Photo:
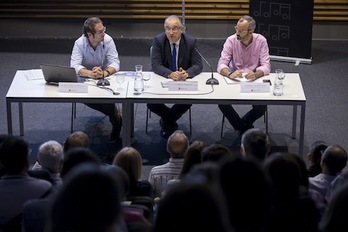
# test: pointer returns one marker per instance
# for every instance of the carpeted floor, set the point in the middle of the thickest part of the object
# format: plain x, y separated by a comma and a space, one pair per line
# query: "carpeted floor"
324, 81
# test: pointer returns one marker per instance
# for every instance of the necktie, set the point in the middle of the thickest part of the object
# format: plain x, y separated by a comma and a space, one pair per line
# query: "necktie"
174, 57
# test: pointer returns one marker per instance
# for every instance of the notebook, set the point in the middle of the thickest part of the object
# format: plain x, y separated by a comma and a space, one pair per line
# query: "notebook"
57, 73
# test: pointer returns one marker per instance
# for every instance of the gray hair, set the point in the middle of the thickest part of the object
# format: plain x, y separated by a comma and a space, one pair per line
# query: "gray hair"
50, 156
252, 22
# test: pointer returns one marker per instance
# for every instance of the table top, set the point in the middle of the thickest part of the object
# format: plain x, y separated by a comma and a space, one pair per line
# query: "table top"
22, 88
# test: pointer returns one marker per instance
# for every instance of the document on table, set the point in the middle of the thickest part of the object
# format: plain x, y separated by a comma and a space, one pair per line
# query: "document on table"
33, 74
238, 80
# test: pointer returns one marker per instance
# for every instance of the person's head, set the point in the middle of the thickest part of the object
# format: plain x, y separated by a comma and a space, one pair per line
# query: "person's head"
121, 177
285, 174
255, 144
249, 198
94, 29
192, 206
245, 28
192, 157
14, 153
215, 152
177, 144
333, 160
50, 156
88, 201
129, 159
77, 156
173, 28
76, 139
315, 152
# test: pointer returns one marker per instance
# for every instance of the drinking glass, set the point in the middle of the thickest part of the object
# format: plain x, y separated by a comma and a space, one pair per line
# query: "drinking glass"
120, 80
138, 68
146, 78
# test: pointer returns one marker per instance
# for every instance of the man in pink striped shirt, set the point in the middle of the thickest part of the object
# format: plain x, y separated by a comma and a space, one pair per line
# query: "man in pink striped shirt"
244, 53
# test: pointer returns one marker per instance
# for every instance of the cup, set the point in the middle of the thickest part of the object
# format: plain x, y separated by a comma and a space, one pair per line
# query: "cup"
138, 68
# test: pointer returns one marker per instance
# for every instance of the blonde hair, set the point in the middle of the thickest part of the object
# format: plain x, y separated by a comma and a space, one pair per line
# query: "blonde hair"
129, 159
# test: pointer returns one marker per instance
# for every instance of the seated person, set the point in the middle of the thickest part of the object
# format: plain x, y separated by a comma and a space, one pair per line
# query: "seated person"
186, 64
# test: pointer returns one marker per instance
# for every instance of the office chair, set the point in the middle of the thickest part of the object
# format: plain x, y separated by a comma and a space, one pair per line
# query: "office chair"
265, 120
148, 112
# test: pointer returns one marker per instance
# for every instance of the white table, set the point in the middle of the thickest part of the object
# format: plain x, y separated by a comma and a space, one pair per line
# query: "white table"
22, 90
223, 93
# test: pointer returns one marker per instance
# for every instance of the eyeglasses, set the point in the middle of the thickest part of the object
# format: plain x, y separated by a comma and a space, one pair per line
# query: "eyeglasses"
102, 31
239, 31
174, 29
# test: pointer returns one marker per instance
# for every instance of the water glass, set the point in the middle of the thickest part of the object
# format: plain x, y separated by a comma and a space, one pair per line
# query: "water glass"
138, 68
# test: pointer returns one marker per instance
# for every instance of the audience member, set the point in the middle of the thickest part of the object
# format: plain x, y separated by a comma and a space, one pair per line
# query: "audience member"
50, 158
192, 157
95, 55
244, 53
159, 176
88, 201
314, 157
255, 144
129, 159
293, 211
333, 160
339, 180
248, 194
335, 216
36, 212
76, 156
16, 186
186, 64
215, 152
134, 216
191, 206
76, 139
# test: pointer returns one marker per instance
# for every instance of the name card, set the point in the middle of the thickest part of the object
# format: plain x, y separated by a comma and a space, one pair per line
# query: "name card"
183, 86
255, 87
70, 87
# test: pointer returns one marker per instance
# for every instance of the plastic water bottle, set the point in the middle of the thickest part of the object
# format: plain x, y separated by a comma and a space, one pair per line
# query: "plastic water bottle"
278, 82
139, 83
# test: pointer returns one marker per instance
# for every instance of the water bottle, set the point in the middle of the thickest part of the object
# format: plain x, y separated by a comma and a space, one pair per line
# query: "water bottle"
278, 83
138, 83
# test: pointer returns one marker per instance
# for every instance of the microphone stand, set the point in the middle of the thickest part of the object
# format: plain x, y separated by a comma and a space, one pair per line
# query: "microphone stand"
103, 81
212, 80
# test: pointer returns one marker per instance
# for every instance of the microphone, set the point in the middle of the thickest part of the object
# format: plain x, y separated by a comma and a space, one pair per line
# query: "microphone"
212, 80
103, 81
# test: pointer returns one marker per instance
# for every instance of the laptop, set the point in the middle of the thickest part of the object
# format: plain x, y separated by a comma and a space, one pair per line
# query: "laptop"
54, 74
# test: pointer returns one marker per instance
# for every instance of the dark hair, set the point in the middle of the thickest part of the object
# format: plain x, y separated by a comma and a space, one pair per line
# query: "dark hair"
317, 149
77, 156
14, 153
215, 152
88, 26
88, 201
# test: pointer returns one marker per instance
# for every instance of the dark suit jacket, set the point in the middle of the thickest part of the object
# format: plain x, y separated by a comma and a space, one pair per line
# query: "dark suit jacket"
188, 59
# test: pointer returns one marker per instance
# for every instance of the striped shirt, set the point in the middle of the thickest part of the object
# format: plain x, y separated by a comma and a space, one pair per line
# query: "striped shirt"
160, 175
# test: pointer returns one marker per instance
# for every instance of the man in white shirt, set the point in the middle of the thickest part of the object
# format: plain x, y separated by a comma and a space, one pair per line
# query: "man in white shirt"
177, 145
95, 55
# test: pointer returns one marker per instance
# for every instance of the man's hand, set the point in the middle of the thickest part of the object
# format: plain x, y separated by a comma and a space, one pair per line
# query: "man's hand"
97, 72
180, 75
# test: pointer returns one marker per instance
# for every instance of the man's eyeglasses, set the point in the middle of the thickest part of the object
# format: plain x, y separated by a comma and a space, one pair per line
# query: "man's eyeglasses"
174, 29
239, 31
102, 31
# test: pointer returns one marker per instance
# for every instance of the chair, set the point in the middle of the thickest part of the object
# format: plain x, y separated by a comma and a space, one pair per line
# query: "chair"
265, 120
148, 112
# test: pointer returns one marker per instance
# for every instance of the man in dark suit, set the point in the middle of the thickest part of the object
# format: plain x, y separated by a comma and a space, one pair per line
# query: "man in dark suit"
174, 56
